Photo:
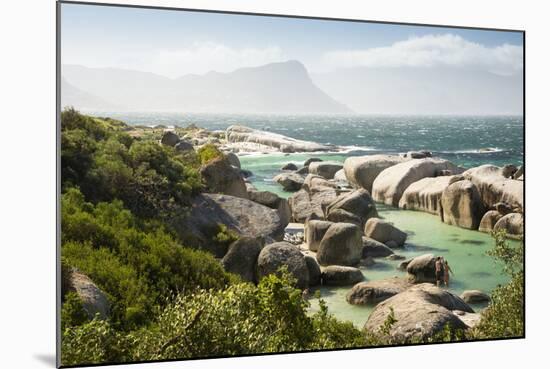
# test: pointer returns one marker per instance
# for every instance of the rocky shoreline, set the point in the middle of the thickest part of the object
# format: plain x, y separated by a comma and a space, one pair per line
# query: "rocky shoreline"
335, 225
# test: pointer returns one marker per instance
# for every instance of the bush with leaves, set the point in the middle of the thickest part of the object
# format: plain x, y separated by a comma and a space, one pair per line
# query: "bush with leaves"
136, 262
242, 319
505, 315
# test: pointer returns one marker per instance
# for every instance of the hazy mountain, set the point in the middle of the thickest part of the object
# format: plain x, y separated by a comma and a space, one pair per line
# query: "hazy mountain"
272, 88
442, 90
72, 96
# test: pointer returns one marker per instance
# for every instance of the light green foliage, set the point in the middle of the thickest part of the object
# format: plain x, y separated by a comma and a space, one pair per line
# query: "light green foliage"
135, 261
242, 319
505, 315
72, 311
209, 152
97, 155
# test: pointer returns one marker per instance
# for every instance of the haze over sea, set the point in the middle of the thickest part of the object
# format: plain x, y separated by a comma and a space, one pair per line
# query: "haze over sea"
465, 140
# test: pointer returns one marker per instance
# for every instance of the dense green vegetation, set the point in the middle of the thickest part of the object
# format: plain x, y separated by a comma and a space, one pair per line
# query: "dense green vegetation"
505, 316
120, 196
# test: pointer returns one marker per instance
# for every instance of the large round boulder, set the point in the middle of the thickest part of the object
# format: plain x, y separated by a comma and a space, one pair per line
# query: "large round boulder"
375, 249
272, 201
341, 245
94, 301
361, 171
314, 232
384, 232
314, 270
373, 292
425, 194
233, 159
242, 256
489, 220
461, 205
359, 203
283, 254
421, 269
512, 224
184, 146
289, 166
475, 297
420, 312
289, 181
220, 177
242, 216
169, 138
339, 275
391, 183
326, 169
494, 187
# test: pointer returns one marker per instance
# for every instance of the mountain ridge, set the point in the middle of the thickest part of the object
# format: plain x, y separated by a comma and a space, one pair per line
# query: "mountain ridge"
284, 87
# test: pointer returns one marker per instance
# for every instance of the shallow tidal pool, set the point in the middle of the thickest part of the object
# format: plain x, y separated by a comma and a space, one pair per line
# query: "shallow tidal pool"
465, 250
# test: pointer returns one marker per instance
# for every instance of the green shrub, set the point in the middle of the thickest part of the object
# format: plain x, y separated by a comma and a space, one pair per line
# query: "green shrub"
72, 311
505, 315
209, 152
94, 342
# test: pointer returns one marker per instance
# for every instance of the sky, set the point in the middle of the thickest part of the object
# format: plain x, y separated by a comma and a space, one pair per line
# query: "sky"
176, 43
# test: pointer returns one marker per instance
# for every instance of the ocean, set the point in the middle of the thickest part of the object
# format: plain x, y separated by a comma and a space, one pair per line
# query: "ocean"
465, 140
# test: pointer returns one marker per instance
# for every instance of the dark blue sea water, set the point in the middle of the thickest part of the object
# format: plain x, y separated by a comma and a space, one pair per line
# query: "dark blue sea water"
465, 140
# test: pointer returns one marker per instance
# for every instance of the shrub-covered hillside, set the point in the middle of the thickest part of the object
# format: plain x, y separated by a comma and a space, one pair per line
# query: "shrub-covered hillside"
163, 299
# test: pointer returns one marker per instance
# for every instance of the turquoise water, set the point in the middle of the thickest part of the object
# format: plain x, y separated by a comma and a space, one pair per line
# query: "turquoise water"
463, 249
456, 138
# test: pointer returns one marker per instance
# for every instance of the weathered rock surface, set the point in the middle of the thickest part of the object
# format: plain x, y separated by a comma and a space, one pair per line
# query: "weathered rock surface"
289, 181
418, 154
233, 159
338, 275
325, 169
421, 311
220, 177
489, 220
340, 175
375, 249
289, 166
462, 206
358, 202
184, 146
310, 203
511, 223
94, 300
311, 160
494, 187
314, 232
373, 292
421, 269
243, 216
242, 256
169, 138
282, 143
361, 171
425, 194
341, 245
475, 297
272, 201
314, 270
384, 232
274, 256
343, 216
391, 183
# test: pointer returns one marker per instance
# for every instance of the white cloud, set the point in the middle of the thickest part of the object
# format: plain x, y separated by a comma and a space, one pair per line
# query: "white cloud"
431, 51
205, 57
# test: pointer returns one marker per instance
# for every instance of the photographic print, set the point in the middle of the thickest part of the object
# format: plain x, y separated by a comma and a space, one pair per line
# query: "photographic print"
235, 184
